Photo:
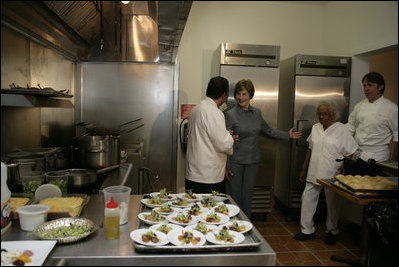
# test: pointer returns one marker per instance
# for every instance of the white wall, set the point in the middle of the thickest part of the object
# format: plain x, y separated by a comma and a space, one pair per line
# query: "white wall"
344, 28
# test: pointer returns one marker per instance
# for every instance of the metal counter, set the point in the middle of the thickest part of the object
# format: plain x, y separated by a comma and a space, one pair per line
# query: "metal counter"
96, 250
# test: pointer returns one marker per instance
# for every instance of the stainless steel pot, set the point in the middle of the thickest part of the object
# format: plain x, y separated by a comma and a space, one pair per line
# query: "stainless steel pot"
20, 163
97, 152
49, 154
79, 178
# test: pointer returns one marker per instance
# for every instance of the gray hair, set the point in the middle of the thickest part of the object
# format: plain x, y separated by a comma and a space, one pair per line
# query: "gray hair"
328, 104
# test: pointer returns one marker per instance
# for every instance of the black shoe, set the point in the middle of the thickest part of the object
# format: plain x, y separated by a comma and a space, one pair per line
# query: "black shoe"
303, 237
330, 238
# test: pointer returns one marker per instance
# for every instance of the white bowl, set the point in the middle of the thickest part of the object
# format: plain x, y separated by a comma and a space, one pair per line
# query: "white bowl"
31, 216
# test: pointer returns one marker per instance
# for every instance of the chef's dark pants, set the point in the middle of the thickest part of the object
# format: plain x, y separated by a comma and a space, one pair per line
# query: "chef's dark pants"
201, 188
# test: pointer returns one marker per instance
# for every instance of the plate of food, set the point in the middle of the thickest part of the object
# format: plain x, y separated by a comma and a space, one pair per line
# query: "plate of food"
240, 226
185, 238
225, 237
216, 196
149, 237
202, 227
182, 218
152, 202
209, 203
152, 217
196, 210
189, 196
65, 230
165, 227
227, 209
180, 203
28, 252
166, 209
163, 195
212, 217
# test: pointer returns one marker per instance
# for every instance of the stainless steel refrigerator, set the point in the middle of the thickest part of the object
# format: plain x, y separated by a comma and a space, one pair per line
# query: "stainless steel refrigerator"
305, 81
260, 64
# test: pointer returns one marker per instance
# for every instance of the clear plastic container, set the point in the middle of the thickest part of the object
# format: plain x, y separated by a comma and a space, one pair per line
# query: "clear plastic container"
60, 179
31, 181
121, 195
31, 216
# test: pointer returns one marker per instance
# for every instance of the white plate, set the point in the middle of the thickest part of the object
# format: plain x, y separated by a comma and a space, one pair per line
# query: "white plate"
145, 202
174, 226
173, 237
202, 210
248, 225
168, 213
238, 238
192, 221
233, 210
137, 234
217, 203
181, 196
40, 249
141, 217
223, 218
170, 196
189, 204
219, 198
209, 227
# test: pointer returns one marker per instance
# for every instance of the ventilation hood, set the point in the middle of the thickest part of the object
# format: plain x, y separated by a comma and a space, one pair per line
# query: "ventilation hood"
140, 31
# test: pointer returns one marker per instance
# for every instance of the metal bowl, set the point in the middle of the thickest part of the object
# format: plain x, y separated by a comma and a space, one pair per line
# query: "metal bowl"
44, 228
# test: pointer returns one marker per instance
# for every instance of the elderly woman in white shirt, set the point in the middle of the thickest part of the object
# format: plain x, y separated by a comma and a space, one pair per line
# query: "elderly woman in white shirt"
374, 122
328, 141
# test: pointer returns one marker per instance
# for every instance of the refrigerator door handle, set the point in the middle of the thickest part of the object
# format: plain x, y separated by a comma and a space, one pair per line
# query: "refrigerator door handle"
297, 128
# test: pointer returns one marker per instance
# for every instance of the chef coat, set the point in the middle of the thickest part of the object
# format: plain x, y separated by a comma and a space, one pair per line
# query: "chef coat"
374, 126
335, 142
208, 145
248, 124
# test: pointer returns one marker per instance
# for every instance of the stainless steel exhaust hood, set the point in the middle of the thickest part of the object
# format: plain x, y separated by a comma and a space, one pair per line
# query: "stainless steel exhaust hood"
141, 31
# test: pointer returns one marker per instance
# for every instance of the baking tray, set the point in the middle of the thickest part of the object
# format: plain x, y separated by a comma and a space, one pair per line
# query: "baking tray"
378, 191
78, 210
360, 194
251, 242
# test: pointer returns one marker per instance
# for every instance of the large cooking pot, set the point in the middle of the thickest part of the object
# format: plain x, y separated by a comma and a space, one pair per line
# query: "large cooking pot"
49, 155
79, 178
97, 152
20, 163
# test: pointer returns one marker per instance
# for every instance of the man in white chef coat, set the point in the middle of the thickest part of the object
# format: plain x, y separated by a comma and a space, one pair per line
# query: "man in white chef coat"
328, 141
374, 122
209, 142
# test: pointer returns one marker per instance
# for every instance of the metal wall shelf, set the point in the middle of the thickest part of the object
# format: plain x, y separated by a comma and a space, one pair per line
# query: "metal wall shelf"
9, 99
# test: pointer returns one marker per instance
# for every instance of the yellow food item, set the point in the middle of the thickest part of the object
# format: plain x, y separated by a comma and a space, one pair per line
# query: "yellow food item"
16, 202
367, 182
24, 258
71, 205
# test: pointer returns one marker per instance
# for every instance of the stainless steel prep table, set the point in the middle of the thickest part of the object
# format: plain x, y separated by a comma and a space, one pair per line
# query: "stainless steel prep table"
96, 250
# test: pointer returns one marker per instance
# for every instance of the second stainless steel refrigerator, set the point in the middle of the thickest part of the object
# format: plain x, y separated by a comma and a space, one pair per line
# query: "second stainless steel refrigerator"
260, 64
306, 81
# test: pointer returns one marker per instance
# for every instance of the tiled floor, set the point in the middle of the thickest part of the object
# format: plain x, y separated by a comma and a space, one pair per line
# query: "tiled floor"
279, 233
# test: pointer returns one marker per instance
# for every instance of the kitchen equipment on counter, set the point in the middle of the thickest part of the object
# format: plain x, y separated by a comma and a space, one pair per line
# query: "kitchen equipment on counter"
31, 216
98, 151
31, 181
5, 200
81, 178
20, 163
60, 179
47, 152
121, 195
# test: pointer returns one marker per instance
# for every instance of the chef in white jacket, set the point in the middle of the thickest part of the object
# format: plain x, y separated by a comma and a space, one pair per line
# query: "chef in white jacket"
209, 142
328, 141
374, 122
